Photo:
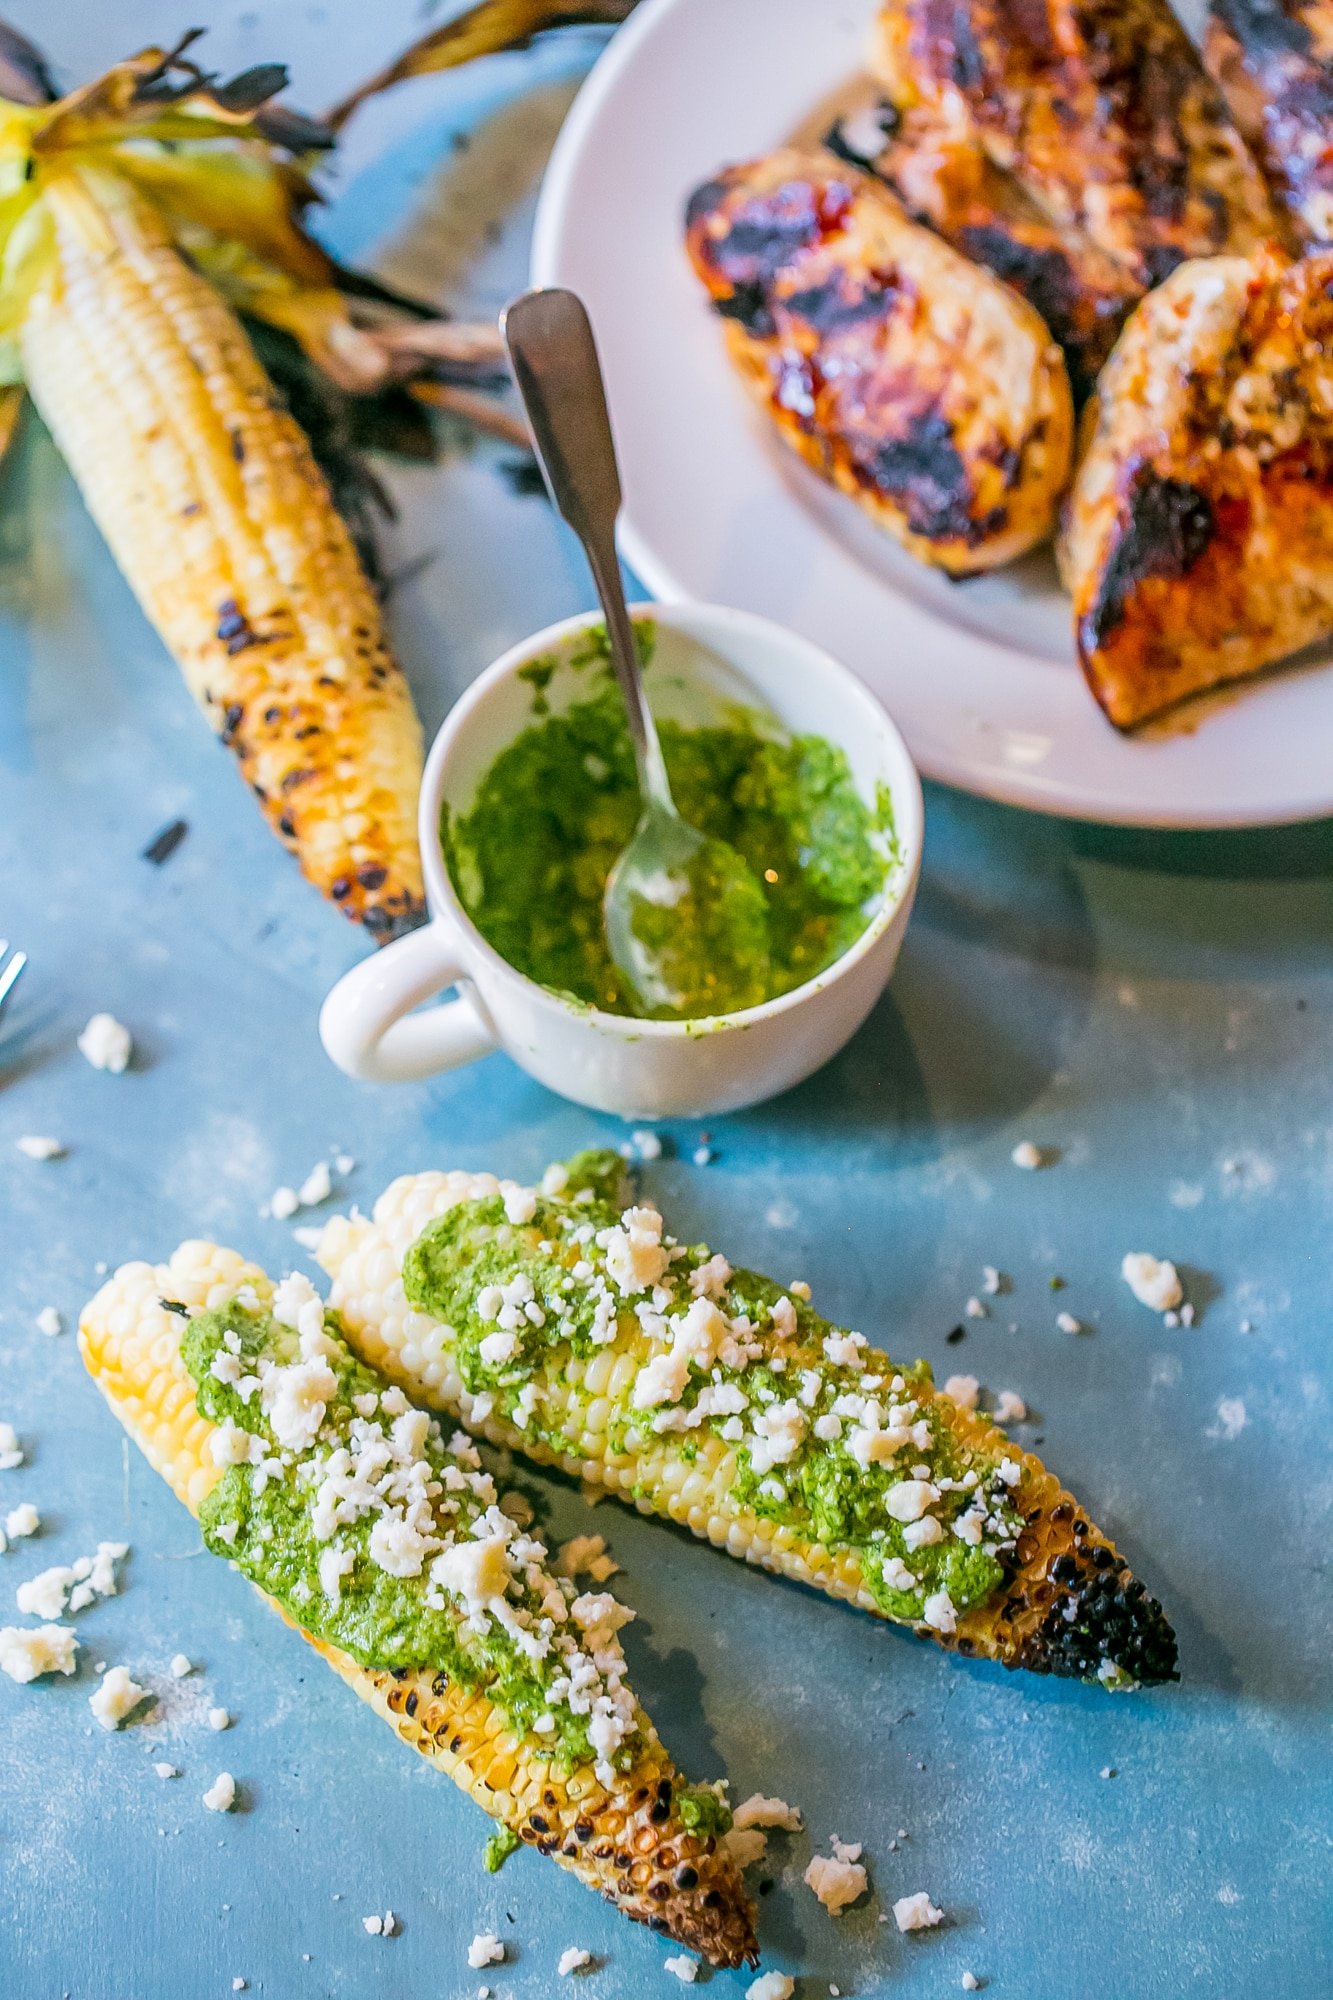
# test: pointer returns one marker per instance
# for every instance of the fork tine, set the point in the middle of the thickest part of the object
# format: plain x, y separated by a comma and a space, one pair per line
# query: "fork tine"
10, 972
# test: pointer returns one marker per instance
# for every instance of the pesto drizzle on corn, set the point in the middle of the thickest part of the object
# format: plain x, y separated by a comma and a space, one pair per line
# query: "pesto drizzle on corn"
830, 1441
384, 1537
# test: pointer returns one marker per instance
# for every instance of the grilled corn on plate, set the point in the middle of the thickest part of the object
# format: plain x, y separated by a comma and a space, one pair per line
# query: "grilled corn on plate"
567, 1326
381, 1539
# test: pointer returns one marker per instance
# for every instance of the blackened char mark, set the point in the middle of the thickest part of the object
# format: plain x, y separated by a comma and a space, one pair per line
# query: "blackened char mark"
947, 41
1170, 526
1264, 26
761, 234
1102, 1618
923, 472
707, 198
748, 305
835, 304
847, 137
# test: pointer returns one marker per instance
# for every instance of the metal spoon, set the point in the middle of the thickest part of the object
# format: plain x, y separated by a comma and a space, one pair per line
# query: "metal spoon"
686, 920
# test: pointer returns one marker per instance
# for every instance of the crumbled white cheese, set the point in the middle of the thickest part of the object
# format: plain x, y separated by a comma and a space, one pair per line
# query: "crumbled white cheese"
685, 1969
897, 1576
1010, 1408
49, 1321
1028, 1156
759, 1811
46, 1594
1067, 1323
22, 1521
34, 1147
916, 1913
11, 1453
745, 1845
106, 1044
635, 1256
573, 1959
975, 1310
283, 1202
497, 1348
221, 1794
181, 1665
1153, 1281
837, 1879
373, 1926
922, 1534
703, 1156
485, 1949
166, 1770
771, 1986
27, 1651
219, 1718
992, 1280
316, 1187
909, 1499
938, 1612
117, 1697
970, 1983
520, 1204
964, 1390
476, 1571
585, 1553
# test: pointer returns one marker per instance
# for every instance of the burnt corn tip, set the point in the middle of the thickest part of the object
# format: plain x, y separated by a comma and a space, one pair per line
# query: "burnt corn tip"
1103, 1626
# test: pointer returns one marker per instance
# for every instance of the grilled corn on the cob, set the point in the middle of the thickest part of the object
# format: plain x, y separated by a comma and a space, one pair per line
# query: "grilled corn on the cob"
629, 1831
585, 1338
216, 512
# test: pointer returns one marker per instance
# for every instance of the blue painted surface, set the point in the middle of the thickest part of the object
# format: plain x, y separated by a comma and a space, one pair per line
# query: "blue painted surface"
1158, 1010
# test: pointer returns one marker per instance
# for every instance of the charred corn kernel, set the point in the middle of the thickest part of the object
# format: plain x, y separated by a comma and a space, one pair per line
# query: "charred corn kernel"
627, 1840
216, 512
1065, 1601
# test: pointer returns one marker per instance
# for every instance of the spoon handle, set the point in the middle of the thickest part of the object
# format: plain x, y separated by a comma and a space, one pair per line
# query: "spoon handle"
553, 356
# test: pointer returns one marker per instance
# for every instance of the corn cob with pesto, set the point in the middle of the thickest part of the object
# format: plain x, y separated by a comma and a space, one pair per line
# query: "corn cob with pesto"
571, 1328
382, 1541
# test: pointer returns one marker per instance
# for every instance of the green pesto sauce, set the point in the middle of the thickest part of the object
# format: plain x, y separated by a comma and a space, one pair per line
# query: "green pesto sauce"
559, 805
823, 1492
383, 1621
502, 1843
703, 1809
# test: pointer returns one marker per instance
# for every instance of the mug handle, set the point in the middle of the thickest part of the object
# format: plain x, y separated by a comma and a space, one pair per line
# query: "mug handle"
367, 1024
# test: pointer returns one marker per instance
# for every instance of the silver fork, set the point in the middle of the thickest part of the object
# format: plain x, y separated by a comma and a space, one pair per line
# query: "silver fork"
10, 968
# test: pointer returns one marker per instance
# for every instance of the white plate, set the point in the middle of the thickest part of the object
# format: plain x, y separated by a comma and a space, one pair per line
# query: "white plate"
980, 676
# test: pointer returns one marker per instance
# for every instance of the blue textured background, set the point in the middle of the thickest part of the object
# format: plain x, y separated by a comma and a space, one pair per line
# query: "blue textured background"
1158, 1009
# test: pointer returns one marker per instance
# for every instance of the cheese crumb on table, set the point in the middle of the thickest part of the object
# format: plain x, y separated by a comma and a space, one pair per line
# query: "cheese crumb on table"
992, 1280
374, 1926
1009, 1408
963, 1390
221, 1794
22, 1521
1028, 1156
106, 1044
117, 1697
585, 1553
1154, 1281
485, 1949
837, 1879
166, 1770
11, 1452
759, 1811
181, 1666
745, 1845
34, 1146
970, 1983
771, 1986
1068, 1324
975, 1310
219, 1718
685, 1969
573, 1960
916, 1913
28, 1651
49, 1322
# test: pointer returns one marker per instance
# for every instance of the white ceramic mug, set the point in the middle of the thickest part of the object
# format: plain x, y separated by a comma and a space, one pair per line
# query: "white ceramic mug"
705, 656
